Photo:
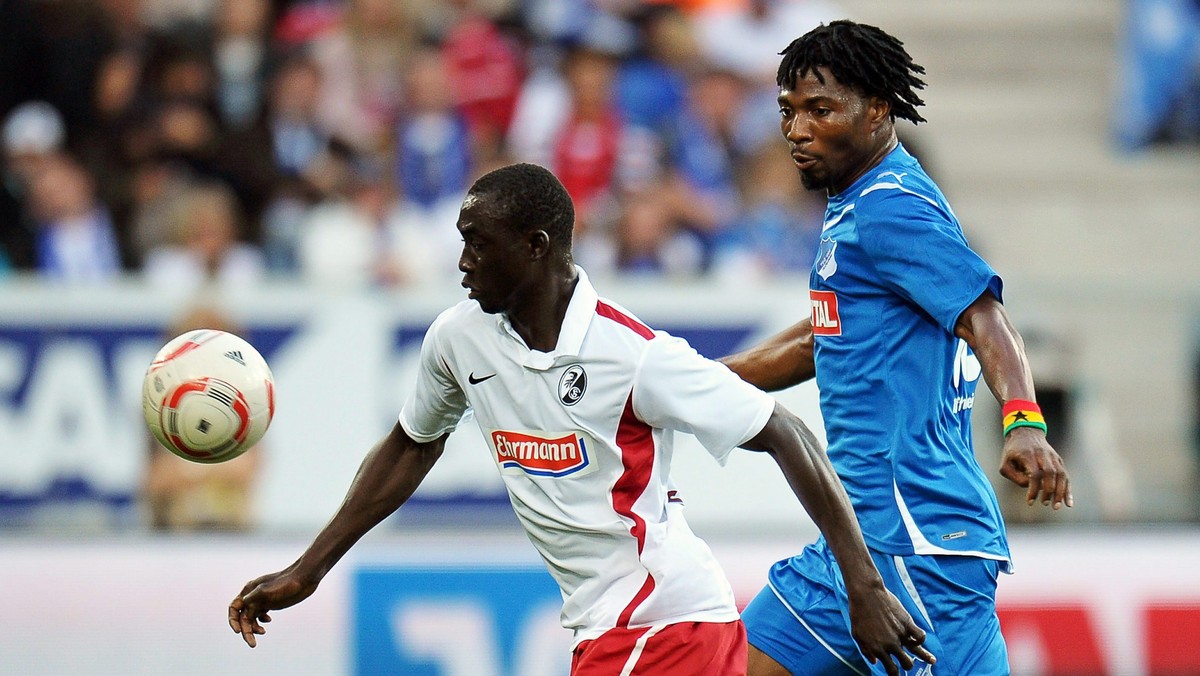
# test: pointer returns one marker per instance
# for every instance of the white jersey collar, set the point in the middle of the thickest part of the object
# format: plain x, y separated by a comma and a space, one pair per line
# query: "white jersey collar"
575, 324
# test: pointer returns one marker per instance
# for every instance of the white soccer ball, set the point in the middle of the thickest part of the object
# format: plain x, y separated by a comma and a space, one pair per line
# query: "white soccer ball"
208, 396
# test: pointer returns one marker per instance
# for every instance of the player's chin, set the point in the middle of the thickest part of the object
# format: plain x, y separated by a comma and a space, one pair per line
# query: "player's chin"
487, 306
812, 181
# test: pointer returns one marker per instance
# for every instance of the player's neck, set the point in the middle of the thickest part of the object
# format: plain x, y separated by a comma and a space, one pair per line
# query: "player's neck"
871, 161
539, 321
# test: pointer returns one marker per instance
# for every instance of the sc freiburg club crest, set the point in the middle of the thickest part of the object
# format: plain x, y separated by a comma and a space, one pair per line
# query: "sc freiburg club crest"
572, 385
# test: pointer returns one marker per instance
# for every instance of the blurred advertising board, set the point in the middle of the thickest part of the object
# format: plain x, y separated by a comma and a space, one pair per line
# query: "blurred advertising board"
1102, 603
457, 620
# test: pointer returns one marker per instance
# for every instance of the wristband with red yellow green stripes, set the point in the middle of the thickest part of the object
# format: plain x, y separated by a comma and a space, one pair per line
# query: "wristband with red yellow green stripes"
1022, 413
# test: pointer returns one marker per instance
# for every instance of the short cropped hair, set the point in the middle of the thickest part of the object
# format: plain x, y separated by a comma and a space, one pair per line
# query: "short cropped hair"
528, 197
862, 57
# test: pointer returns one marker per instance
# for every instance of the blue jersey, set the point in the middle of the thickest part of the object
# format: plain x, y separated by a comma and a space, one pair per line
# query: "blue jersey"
892, 275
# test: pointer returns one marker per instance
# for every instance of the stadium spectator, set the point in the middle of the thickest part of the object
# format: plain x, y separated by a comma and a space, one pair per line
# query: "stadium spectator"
905, 319
588, 145
188, 130
180, 495
22, 78
567, 119
733, 36
557, 21
485, 71
652, 82
434, 163
33, 133
703, 159
76, 239
278, 162
346, 240
109, 148
534, 348
363, 58
158, 187
255, 94
77, 34
643, 236
241, 55
542, 105
777, 227
205, 250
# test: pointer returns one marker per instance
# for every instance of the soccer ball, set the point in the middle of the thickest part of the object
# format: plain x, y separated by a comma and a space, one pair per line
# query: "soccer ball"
208, 396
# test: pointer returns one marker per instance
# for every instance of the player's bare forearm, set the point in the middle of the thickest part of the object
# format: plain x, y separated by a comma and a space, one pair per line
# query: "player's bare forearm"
880, 625
998, 346
812, 478
781, 361
388, 476
1027, 460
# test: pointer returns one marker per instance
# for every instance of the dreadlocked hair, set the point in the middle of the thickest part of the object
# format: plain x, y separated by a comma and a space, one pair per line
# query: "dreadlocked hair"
861, 57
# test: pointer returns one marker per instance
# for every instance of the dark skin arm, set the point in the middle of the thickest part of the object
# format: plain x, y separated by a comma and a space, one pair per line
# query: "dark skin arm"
883, 629
1027, 459
387, 477
780, 362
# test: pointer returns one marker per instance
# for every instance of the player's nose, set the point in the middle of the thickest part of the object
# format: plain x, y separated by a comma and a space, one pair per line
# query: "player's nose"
796, 131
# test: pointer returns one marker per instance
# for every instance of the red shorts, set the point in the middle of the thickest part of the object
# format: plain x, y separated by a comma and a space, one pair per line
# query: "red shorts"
681, 649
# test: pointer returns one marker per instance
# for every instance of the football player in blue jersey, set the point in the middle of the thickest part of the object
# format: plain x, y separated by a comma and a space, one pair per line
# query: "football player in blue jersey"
904, 319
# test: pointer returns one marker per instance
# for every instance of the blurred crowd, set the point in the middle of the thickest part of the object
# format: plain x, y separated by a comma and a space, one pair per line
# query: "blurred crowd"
332, 141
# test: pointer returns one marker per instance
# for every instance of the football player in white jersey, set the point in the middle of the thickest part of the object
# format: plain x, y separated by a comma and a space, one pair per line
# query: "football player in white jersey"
579, 400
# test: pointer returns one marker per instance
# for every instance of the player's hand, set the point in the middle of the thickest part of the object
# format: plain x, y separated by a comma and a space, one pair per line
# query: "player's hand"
1029, 461
885, 631
249, 609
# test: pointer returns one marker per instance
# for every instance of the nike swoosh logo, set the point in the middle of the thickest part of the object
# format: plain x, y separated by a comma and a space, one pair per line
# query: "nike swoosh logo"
475, 381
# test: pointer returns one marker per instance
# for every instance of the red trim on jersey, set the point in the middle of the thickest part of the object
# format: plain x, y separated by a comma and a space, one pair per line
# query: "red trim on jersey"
605, 310
641, 595
636, 442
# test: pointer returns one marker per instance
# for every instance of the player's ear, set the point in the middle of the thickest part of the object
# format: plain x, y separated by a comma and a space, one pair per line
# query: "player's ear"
539, 244
878, 110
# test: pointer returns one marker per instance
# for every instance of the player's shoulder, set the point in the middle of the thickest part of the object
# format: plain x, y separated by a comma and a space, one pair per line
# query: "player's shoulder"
899, 193
463, 315
621, 321
902, 184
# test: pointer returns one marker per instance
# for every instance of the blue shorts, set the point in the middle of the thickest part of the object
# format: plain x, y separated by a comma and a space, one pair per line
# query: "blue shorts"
801, 618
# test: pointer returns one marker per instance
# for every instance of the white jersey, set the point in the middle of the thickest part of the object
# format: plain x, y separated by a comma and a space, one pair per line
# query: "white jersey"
583, 440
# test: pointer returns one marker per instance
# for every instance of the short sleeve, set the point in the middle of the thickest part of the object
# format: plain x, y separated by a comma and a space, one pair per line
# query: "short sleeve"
918, 249
676, 388
437, 402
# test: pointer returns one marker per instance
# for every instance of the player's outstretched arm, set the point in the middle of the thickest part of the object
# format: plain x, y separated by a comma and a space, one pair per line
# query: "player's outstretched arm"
1027, 459
882, 627
387, 477
779, 362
